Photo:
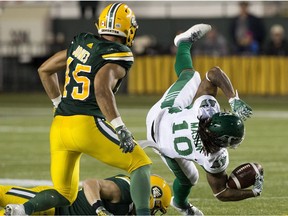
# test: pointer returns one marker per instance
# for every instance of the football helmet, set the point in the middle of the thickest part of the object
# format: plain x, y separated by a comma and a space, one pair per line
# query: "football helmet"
225, 129
118, 19
160, 195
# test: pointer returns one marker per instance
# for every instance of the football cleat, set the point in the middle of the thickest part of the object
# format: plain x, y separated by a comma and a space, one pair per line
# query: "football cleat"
14, 209
193, 34
189, 210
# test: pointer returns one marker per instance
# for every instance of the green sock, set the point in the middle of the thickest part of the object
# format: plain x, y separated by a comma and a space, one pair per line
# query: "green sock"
183, 58
181, 192
45, 200
140, 189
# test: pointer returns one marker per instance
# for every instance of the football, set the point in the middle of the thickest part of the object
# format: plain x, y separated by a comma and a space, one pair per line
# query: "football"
244, 175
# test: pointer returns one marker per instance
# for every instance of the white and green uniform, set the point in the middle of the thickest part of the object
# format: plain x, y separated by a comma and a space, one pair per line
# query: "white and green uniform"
172, 125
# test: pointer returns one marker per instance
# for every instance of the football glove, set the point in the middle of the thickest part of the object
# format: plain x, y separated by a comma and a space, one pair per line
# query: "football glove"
101, 211
126, 139
240, 108
258, 185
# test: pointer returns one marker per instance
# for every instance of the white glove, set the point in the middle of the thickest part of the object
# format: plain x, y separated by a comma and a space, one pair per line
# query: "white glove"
258, 185
240, 108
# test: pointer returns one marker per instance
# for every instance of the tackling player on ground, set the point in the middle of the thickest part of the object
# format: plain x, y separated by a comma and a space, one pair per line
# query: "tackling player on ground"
186, 125
86, 118
112, 195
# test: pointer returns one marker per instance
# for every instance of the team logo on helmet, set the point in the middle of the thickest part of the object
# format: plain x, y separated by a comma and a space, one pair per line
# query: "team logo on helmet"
156, 192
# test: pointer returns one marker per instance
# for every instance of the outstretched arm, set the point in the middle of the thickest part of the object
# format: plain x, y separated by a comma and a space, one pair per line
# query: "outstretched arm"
216, 78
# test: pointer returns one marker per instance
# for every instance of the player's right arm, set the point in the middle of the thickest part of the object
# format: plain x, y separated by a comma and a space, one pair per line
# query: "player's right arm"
48, 75
217, 183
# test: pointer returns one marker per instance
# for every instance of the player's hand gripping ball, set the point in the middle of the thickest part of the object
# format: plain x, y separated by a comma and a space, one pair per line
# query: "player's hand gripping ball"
244, 175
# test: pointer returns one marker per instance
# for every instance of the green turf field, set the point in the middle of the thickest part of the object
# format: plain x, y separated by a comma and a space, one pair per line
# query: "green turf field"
24, 141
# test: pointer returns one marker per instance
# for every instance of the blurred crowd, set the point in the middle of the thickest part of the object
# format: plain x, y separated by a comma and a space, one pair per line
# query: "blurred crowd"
247, 33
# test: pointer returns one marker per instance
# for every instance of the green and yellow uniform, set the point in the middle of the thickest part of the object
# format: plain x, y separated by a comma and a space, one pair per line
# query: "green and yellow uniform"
81, 206
79, 126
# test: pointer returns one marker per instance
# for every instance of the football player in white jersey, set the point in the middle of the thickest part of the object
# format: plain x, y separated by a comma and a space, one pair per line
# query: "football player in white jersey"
186, 125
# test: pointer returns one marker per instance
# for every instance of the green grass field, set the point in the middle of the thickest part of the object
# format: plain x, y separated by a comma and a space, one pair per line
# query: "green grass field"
24, 139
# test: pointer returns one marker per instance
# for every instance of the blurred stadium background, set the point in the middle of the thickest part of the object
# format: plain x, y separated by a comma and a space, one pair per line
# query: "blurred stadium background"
31, 31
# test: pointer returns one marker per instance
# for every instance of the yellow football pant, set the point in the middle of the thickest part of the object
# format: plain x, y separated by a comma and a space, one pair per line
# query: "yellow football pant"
70, 136
20, 195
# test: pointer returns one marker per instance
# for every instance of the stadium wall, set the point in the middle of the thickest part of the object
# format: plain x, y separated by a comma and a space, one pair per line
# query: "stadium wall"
250, 75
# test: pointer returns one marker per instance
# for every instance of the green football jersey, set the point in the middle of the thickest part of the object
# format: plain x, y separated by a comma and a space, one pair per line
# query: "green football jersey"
82, 207
86, 54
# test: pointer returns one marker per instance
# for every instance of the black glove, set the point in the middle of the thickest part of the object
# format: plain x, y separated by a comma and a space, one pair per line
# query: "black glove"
126, 139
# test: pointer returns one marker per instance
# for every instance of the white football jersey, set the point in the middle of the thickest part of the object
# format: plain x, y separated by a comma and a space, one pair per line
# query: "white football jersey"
173, 129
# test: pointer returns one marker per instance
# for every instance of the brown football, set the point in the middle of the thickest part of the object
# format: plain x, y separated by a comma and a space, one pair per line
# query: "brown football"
244, 175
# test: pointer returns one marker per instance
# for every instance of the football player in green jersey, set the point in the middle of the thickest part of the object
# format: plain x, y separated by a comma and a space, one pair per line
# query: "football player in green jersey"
86, 118
111, 194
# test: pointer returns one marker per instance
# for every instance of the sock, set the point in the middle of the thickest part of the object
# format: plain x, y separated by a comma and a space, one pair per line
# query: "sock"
45, 200
181, 192
140, 189
183, 58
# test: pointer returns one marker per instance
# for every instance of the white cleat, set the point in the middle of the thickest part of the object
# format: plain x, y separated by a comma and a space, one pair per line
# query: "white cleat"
193, 34
14, 209
190, 210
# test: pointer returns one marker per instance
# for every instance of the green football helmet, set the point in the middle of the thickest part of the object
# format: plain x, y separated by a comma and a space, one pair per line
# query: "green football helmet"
226, 128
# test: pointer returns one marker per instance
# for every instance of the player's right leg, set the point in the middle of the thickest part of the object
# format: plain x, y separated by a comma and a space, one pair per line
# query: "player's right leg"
187, 176
184, 42
192, 34
64, 169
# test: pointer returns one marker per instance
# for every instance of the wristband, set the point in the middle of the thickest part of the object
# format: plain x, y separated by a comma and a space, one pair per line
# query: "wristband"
56, 101
235, 97
97, 204
117, 122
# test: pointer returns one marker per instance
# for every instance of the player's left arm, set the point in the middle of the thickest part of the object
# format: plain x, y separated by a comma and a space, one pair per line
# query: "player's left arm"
48, 75
218, 182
